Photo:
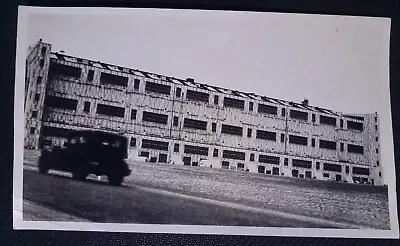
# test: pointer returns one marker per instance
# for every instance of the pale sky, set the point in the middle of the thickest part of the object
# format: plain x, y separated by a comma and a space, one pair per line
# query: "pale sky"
321, 58
340, 63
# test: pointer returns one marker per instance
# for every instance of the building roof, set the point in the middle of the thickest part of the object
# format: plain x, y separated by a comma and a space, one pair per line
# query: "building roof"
191, 83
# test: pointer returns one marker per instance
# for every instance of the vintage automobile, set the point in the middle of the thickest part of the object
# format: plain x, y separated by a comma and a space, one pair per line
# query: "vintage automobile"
89, 152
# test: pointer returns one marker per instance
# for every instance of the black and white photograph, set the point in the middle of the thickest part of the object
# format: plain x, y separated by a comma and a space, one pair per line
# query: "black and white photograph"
203, 122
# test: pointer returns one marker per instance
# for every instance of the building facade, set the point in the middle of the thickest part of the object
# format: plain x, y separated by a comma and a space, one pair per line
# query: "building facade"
180, 121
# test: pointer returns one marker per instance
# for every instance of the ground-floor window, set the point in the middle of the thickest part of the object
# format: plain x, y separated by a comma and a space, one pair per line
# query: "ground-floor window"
261, 169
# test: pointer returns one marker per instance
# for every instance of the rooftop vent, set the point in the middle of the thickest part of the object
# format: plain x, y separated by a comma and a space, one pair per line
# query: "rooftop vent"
190, 80
304, 102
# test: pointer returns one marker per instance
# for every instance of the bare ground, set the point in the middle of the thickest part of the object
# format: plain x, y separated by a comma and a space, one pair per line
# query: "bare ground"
340, 202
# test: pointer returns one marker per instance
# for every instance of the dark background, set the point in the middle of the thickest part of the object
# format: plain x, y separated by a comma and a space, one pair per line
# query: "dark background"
8, 28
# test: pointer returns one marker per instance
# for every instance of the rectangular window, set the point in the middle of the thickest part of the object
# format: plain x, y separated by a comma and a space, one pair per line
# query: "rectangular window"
178, 92
376, 139
37, 97
176, 121
332, 167
32, 130
61, 70
313, 118
299, 115
282, 137
354, 125
251, 156
144, 154
376, 127
197, 96
162, 158
176, 147
90, 75
325, 144
214, 127
376, 119
360, 170
377, 150
347, 169
268, 159
113, 79
298, 140
39, 80
357, 149
301, 163
240, 166
232, 130
225, 164
251, 106
215, 153
44, 51
153, 144
110, 110
61, 103
286, 162
155, 118
86, 107
377, 163
34, 114
283, 112
341, 123
317, 165
380, 174
235, 155
325, 175
133, 142
355, 117
136, 84
266, 135
158, 88
341, 147
133, 114
197, 150
195, 124
313, 142
233, 103
267, 109
326, 120
249, 132
41, 63
216, 99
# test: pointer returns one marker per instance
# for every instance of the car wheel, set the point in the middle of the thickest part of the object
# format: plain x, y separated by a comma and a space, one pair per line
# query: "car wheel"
115, 180
80, 174
43, 164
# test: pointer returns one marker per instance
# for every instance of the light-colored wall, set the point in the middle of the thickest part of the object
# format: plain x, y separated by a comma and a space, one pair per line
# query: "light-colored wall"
128, 98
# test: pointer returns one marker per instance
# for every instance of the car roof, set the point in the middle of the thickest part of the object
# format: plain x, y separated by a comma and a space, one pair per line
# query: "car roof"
96, 133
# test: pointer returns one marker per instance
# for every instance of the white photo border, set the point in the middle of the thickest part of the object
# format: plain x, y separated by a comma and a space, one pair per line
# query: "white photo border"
20, 224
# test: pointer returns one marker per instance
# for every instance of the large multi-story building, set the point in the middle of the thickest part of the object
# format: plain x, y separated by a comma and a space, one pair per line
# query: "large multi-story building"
171, 120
